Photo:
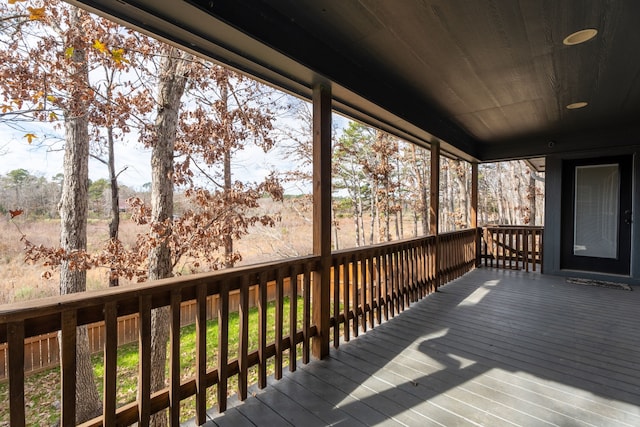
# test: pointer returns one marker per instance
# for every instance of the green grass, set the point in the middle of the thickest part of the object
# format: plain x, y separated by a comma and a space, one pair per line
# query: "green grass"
42, 391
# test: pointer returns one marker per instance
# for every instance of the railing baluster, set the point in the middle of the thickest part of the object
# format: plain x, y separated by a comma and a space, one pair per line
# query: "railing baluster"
392, 280
345, 293
371, 292
110, 363
415, 271
279, 322
386, 280
262, 327
201, 353
378, 259
406, 286
293, 317
364, 283
354, 290
15, 343
223, 345
68, 367
525, 247
408, 275
336, 302
243, 344
306, 313
144, 363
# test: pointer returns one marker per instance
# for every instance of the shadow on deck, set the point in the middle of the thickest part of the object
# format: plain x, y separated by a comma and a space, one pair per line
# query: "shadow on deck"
492, 348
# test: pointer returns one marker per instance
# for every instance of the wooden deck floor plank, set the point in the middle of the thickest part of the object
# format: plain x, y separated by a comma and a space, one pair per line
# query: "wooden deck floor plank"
262, 414
315, 403
537, 405
342, 380
540, 407
436, 391
489, 353
366, 414
558, 337
545, 389
404, 405
388, 344
561, 358
288, 408
455, 383
540, 342
495, 352
481, 399
568, 302
428, 407
565, 317
230, 418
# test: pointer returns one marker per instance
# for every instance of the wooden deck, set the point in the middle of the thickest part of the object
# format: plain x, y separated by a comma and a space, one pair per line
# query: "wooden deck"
491, 348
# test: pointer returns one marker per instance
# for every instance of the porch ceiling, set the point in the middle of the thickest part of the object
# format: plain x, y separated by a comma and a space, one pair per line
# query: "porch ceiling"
490, 78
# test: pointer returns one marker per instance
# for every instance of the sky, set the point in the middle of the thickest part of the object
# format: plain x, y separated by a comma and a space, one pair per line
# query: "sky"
44, 157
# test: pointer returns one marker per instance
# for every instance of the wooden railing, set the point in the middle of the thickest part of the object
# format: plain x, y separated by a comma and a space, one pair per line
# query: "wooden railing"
512, 247
369, 285
43, 351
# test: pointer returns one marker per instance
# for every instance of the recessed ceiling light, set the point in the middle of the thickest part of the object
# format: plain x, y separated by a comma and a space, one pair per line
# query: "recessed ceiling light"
577, 105
580, 36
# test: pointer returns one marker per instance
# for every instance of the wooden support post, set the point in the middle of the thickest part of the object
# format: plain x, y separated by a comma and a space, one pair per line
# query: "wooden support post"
144, 360
434, 206
174, 358
223, 346
321, 216
68, 367
15, 341
110, 384
474, 210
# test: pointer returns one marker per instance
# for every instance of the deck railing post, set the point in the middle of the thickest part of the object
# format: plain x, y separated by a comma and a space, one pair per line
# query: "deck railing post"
321, 217
474, 212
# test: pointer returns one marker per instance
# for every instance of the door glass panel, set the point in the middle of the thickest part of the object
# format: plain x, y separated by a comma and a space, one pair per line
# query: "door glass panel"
596, 211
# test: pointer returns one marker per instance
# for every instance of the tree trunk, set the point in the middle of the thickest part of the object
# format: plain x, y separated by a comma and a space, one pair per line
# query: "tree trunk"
171, 85
398, 197
73, 219
356, 221
228, 240
461, 181
334, 225
500, 199
114, 225
450, 203
373, 207
532, 200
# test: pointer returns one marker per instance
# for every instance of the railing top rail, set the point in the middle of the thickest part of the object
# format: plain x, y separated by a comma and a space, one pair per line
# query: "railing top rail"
514, 227
394, 243
89, 305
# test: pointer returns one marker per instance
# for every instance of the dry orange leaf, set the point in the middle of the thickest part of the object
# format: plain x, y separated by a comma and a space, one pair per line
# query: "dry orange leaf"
36, 13
30, 137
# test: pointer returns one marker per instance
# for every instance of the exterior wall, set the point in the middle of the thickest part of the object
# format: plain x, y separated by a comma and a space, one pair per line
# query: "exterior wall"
553, 226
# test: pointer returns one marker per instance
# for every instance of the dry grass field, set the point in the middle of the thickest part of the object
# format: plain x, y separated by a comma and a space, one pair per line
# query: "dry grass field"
21, 281
291, 237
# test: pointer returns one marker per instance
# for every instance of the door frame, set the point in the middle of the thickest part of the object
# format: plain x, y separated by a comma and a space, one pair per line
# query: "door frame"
620, 265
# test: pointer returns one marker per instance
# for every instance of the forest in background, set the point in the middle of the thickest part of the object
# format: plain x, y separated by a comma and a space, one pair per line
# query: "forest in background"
505, 197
